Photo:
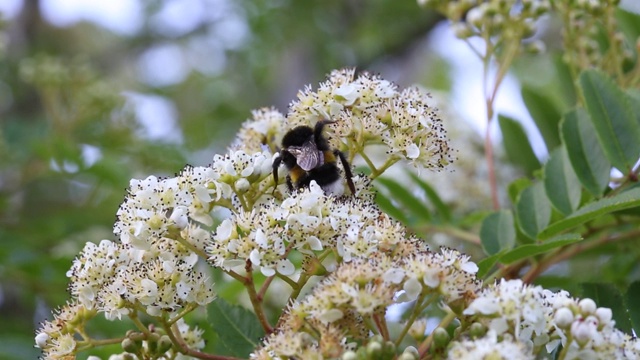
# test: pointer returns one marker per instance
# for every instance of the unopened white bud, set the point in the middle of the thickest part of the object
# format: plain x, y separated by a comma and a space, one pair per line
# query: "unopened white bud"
563, 317
587, 306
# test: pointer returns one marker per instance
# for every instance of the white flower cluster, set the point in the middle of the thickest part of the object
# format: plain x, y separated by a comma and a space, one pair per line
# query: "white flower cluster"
262, 132
537, 317
115, 278
164, 225
56, 337
489, 347
307, 221
370, 110
57, 341
364, 288
156, 209
498, 22
165, 208
367, 110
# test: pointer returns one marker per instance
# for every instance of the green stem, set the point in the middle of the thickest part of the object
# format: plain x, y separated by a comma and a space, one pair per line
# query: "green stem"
247, 282
424, 346
288, 280
264, 287
255, 302
381, 324
174, 334
417, 310
93, 343
136, 321
189, 308
369, 163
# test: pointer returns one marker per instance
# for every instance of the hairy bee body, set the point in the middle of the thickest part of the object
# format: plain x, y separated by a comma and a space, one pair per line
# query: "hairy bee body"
308, 157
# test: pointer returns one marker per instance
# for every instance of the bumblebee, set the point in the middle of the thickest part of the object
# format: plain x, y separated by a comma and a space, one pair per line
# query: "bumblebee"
307, 155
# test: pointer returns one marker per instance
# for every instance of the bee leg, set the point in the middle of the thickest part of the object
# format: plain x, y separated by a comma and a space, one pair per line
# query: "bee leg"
275, 166
347, 170
289, 184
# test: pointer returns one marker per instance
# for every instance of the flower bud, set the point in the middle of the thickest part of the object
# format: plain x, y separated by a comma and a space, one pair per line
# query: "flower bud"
409, 355
42, 339
441, 338
242, 185
587, 306
563, 317
461, 30
349, 355
374, 349
164, 344
130, 346
604, 315
477, 330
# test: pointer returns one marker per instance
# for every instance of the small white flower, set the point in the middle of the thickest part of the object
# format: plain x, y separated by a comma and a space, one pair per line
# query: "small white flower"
349, 92
393, 275
431, 278
413, 151
256, 257
563, 317
587, 306
482, 305
242, 185
331, 315
179, 216
469, 267
285, 267
604, 315
224, 230
584, 330
149, 291
267, 271
42, 339
412, 288
314, 243
261, 239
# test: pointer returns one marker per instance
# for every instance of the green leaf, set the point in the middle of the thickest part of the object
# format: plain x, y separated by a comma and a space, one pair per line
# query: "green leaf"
487, 264
633, 305
533, 210
443, 210
497, 232
238, 329
625, 200
401, 194
545, 114
390, 209
629, 23
529, 250
561, 182
516, 187
585, 152
612, 116
516, 144
609, 296
634, 95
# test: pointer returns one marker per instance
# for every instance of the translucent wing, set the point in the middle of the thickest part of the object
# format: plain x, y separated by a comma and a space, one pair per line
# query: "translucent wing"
307, 156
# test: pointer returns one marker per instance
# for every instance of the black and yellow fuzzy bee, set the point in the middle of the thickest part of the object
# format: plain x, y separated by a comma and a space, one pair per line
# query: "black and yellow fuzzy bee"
307, 155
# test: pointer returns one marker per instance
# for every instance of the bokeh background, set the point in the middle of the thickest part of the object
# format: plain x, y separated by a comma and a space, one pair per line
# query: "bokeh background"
93, 93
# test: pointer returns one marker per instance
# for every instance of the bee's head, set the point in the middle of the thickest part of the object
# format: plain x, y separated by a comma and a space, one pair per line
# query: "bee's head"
297, 136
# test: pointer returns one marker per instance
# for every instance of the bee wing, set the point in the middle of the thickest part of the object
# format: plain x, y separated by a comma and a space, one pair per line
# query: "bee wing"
307, 156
